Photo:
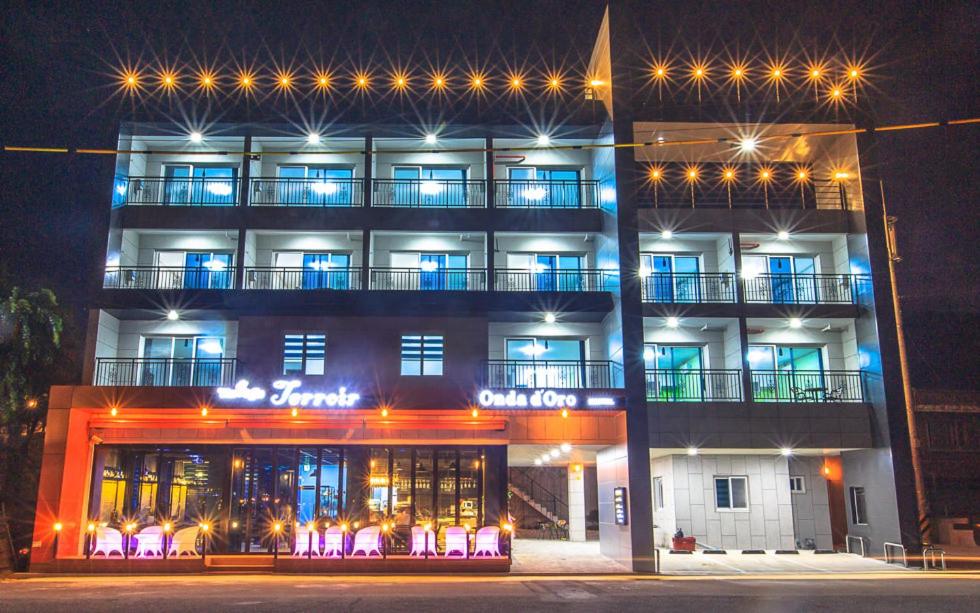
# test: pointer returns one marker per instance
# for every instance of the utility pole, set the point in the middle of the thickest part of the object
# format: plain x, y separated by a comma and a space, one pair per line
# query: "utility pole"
921, 500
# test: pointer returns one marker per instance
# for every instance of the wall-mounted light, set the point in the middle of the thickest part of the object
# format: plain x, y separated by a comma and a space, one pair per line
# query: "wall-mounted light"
747, 145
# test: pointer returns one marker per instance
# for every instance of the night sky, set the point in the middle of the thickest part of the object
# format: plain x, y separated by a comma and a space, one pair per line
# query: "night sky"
57, 89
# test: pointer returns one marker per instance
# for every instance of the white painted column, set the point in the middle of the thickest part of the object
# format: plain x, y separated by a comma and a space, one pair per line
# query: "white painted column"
576, 502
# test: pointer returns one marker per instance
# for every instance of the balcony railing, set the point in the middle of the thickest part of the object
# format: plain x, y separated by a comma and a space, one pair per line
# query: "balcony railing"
579, 280
694, 385
689, 287
162, 372
803, 288
590, 374
166, 277
533, 194
178, 191
807, 386
324, 192
429, 193
302, 278
442, 279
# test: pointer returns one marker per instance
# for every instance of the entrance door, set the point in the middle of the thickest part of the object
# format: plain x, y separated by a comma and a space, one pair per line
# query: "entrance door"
781, 278
262, 494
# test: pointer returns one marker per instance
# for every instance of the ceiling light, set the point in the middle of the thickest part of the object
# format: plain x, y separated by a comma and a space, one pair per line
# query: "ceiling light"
173, 315
666, 235
673, 322
786, 451
565, 447
549, 318
555, 452
782, 235
430, 139
692, 451
795, 322
537, 461
543, 140
313, 138
747, 145
196, 137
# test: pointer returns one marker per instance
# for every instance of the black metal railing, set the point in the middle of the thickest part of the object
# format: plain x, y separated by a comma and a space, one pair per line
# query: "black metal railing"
581, 374
440, 279
712, 187
164, 372
302, 278
577, 280
429, 193
693, 385
553, 503
680, 287
803, 288
554, 194
169, 277
178, 191
325, 192
807, 386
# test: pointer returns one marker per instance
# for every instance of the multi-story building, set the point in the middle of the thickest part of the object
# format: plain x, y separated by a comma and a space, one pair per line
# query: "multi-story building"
375, 321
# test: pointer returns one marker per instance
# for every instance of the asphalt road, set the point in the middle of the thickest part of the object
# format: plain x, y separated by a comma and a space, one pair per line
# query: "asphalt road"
474, 594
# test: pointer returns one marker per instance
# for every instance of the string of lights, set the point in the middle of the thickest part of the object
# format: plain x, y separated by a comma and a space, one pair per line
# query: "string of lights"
833, 80
536, 146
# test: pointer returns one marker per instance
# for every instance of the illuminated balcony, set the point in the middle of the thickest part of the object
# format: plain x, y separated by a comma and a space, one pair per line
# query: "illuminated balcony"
694, 385
429, 193
325, 191
165, 372
546, 194
560, 374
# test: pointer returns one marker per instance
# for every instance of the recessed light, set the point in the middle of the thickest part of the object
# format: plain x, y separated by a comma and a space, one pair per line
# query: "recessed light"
196, 137
173, 315
430, 139
549, 318
673, 322
544, 140
782, 235
313, 138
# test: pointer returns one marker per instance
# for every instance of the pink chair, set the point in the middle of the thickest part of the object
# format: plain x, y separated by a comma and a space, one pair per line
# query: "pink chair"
457, 541
367, 541
487, 542
302, 545
418, 541
149, 542
333, 542
184, 541
108, 541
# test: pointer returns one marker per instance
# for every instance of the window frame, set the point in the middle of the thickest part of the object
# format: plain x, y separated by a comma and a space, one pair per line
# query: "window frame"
304, 357
659, 504
731, 509
422, 336
856, 513
801, 480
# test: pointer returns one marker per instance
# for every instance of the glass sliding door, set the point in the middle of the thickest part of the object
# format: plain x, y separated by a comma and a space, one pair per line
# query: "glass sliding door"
330, 186
326, 271
537, 362
177, 184
781, 279
784, 372
677, 373
207, 270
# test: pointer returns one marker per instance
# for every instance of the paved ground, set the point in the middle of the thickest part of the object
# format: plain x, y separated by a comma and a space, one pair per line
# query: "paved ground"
541, 556
868, 593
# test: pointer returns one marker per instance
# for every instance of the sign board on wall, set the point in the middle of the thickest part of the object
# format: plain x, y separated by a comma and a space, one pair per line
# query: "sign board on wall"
289, 393
527, 398
620, 506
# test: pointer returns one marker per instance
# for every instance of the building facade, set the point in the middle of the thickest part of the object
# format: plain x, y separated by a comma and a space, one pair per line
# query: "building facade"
380, 322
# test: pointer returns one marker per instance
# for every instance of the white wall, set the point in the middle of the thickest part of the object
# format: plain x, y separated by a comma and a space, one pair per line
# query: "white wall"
139, 248
720, 346
840, 343
592, 333
107, 339
130, 333
266, 245
690, 501
831, 253
571, 244
664, 520
268, 165
473, 243
708, 249
473, 162
811, 509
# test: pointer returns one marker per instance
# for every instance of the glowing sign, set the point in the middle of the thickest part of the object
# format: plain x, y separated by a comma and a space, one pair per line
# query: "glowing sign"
288, 393
532, 398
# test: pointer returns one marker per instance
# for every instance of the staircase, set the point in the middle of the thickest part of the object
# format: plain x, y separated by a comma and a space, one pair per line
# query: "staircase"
534, 504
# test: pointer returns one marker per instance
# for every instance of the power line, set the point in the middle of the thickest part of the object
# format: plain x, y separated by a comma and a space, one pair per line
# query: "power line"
634, 145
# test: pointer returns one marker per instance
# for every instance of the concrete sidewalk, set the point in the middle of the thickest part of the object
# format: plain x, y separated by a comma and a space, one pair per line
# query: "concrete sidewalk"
533, 556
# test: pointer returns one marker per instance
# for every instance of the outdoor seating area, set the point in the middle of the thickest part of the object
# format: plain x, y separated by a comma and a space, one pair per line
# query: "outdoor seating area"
157, 541
339, 541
